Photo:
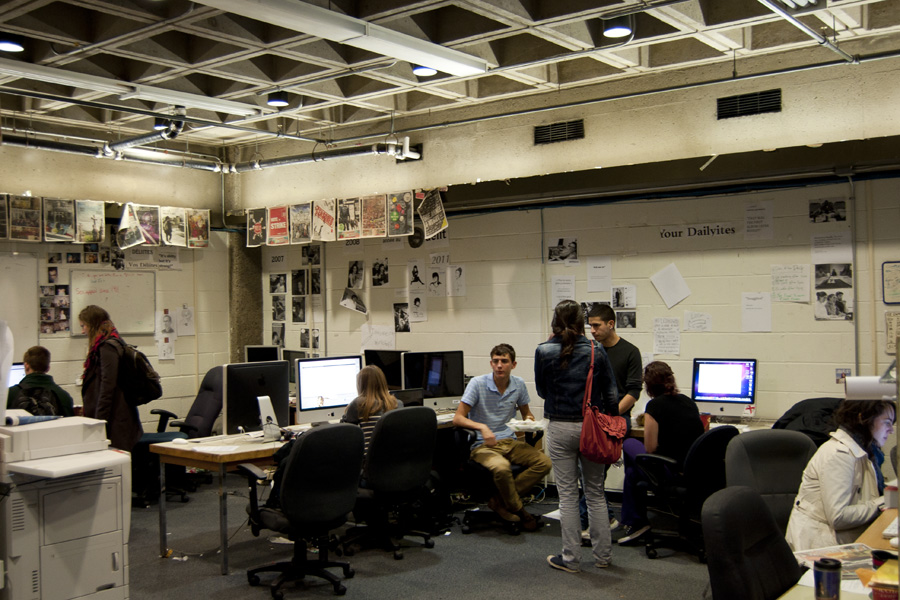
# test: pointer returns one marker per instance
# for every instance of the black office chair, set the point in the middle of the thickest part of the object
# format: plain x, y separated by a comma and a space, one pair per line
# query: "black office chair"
771, 461
813, 417
318, 491
748, 557
681, 494
394, 481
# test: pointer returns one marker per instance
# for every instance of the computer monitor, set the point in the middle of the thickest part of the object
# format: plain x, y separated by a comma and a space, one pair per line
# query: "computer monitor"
724, 386
325, 386
16, 373
291, 356
410, 397
243, 383
261, 353
391, 364
439, 373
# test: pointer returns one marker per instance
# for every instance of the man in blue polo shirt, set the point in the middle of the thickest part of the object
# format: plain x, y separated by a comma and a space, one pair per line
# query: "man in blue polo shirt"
488, 403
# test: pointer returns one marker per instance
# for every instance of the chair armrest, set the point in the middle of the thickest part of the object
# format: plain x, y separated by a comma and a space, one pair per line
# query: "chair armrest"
657, 468
251, 471
253, 474
164, 417
184, 427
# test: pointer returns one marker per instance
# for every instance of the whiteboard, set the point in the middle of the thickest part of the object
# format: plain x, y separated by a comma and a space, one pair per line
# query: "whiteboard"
19, 305
128, 296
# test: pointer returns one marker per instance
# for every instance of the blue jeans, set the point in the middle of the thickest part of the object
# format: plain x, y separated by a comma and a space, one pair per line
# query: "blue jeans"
562, 447
634, 512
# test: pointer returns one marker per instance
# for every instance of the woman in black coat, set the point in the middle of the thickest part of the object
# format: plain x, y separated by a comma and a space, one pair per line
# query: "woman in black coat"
100, 392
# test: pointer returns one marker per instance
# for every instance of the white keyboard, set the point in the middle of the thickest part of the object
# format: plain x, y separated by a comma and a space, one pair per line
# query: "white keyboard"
891, 530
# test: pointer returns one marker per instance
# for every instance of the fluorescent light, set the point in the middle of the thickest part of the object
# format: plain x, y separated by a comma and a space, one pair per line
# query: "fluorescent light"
330, 25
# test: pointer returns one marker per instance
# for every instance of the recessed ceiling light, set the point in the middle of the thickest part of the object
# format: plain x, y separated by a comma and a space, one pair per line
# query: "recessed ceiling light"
10, 42
278, 99
618, 27
420, 71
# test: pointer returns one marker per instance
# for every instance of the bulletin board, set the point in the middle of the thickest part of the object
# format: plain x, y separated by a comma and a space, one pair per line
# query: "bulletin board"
128, 296
19, 299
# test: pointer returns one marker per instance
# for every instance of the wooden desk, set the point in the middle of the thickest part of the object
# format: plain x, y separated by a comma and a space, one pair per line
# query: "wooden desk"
872, 538
206, 455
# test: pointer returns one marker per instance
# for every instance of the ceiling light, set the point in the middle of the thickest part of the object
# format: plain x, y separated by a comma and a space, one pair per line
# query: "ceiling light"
331, 25
159, 123
618, 27
420, 71
278, 99
10, 42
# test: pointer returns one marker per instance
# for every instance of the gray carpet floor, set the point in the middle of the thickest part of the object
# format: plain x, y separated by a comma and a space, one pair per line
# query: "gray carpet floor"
484, 563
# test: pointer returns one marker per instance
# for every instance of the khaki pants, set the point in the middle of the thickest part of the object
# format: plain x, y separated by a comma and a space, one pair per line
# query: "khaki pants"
499, 460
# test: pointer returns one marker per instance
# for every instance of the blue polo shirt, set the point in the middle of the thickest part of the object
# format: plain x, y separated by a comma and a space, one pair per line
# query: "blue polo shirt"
492, 409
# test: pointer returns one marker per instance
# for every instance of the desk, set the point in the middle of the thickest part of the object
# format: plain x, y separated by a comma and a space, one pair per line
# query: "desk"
210, 455
872, 538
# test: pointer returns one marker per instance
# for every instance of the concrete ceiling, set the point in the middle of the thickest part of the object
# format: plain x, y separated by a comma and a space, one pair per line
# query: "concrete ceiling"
539, 53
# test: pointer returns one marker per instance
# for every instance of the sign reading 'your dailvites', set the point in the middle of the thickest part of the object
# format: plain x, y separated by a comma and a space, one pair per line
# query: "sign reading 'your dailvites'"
697, 231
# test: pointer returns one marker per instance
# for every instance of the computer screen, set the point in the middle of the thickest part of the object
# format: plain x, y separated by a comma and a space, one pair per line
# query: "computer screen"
16, 373
261, 353
410, 397
291, 356
439, 373
244, 383
325, 386
724, 386
390, 363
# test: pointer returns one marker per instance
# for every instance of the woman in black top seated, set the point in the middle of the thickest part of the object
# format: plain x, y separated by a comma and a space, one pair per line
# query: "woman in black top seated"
671, 424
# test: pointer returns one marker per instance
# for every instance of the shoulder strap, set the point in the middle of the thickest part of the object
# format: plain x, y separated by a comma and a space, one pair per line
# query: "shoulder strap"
589, 384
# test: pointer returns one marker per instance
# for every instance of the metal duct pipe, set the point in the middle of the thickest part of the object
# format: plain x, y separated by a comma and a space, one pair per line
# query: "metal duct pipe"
169, 133
784, 14
389, 149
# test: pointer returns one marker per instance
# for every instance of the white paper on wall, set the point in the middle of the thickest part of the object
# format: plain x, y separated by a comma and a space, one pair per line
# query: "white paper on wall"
671, 285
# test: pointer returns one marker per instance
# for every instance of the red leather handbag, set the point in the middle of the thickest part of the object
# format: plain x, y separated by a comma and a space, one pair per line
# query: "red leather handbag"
602, 435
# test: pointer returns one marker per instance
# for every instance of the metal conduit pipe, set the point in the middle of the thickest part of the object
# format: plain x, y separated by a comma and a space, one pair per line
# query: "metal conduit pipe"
169, 133
784, 14
401, 151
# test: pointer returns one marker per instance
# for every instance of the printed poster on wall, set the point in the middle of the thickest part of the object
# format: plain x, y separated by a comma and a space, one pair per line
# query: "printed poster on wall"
323, 222
431, 211
257, 228
198, 227
348, 218
278, 234
59, 220
400, 214
374, 216
89, 220
25, 217
173, 224
301, 219
148, 217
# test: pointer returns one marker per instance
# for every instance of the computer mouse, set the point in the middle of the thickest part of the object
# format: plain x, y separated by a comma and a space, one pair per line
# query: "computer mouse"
179, 441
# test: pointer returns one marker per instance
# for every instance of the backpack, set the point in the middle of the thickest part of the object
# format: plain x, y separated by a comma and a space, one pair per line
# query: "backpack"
38, 401
137, 378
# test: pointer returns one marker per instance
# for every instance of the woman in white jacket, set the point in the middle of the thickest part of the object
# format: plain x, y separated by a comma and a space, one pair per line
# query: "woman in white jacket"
839, 495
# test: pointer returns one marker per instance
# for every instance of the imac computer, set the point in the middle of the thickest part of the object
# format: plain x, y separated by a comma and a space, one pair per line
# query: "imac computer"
440, 374
325, 386
291, 356
410, 397
16, 374
724, 386
390, 362
261, 353
243, 383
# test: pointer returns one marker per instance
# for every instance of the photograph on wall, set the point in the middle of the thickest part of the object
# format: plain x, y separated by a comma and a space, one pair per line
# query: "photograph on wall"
311, 255
352, 300
356, 274
91, 258
401, 317
278, 308
415, 272
457, 275
278, 334
418, 309
25, 218
278, 283
431, 211
834, 305
300, 216
279, 229
298, 310
54, 258
148, 217
562, 250
436, 277
829, 210
186, 320
624, 296
374, 216
4, 217
348, 218
323, 225
198, 227
174, 230
90, 219
314, 341
400, 214
298, 282
256, 227
315, 282
304, 338
380, 274
73, 258
626, 319
834, 276
59, 220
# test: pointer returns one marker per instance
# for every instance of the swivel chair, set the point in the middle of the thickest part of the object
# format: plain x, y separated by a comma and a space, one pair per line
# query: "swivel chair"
682, 494
395, 474
318, 491
749, 558
771, 461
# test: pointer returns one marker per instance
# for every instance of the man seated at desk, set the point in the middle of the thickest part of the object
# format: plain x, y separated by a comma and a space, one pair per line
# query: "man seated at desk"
30, 391
488, 403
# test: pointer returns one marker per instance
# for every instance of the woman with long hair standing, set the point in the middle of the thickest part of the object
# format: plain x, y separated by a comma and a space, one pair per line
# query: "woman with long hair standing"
373, 401
103, 398
561, 366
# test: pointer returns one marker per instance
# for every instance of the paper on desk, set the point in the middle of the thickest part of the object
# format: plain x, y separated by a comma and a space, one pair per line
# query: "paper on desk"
215, 448
527, 425
847, 585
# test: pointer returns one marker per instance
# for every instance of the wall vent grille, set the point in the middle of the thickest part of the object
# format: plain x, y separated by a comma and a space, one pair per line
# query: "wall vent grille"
559, 132
749, 104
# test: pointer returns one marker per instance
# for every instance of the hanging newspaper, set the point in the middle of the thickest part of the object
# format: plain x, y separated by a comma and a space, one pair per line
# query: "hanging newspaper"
374, 216
25, 217
256, 227
148, 217
198, 227
431, 211
278, 227
129, 229
323, 220
59, 220
89, 221
173, 226
348, 218
4, 217
400, 214
301, 218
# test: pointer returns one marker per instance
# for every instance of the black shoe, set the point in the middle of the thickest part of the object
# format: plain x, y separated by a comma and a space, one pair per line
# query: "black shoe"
633, 533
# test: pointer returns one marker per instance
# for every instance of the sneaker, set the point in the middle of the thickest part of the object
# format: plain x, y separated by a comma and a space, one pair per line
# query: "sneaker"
614, 524
556, 562
585, 535
632, 533
602, 565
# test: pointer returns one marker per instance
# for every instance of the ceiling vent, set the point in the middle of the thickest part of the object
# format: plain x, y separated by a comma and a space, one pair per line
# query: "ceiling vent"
559, 132
749, 104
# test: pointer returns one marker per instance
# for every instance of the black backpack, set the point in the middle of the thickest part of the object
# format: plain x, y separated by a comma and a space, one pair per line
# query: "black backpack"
38, 401
138, 379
